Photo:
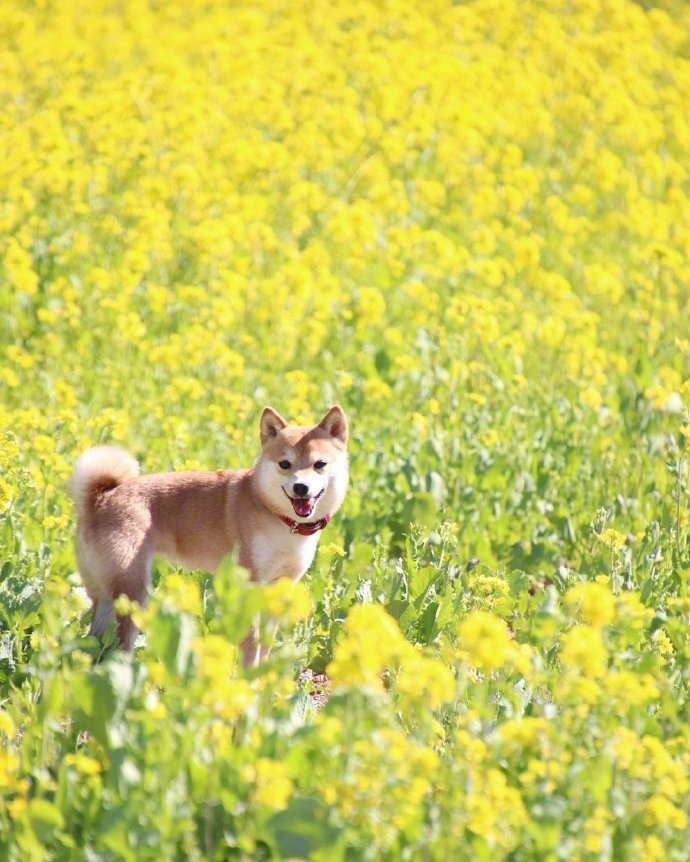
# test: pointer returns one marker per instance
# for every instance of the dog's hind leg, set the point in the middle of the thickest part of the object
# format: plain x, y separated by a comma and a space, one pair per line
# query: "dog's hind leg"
134, 583
102, 615
251, 647
127, 632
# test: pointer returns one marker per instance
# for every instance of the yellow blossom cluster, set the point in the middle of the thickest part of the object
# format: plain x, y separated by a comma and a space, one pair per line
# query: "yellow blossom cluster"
373, 644
592, 602
287, 600
236, 188
487, 644
386, 780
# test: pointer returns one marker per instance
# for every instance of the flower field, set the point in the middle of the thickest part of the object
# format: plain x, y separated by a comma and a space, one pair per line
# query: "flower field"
469, 224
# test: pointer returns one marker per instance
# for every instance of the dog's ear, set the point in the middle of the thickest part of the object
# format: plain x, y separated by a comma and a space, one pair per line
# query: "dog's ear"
335, 423
271, 423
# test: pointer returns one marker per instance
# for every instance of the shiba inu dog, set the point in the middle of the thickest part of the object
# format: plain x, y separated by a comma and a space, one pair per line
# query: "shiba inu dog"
271, 515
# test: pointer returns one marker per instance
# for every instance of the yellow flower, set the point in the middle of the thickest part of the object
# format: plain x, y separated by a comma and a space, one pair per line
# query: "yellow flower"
372, 642
580, 690
630, 688
582, 649
43, 444
489, 438
474, 750
124, 606
272, 784
663, 644
650, 849
16, 807
592, 602
664, 399
371, 306
183, 593
333, 549
660, 811
376, 389
7, 726
217, 657
595, 829
7, 493
613, 539
631, 611
494, 808
9, 764
228, 698
211, 206
517, 734
19, 266
84, 764
289, 600
591, 397
486, 640
426, 680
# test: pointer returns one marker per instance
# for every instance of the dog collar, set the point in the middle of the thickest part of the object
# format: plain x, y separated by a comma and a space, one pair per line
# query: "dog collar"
307, 529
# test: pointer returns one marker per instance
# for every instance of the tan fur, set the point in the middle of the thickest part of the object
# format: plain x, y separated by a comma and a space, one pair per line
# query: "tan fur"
198, 517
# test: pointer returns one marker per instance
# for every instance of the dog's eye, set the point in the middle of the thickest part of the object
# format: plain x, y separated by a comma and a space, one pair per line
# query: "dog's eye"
284, 465
319, 465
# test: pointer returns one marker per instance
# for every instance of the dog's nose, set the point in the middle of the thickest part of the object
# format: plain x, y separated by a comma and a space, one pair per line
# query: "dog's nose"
300, 489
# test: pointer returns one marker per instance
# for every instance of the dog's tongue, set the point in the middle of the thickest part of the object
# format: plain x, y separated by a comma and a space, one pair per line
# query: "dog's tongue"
302, 507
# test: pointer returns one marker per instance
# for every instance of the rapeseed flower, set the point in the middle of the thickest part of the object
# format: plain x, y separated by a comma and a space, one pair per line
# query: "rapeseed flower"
660, 811
486, 640
592, 602
83, 764
612, 539
272, 783
287, 600
583, 650
372, 643
426, 680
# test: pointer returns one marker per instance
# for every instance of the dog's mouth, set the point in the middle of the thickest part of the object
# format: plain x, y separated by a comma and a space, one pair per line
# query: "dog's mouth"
303, 506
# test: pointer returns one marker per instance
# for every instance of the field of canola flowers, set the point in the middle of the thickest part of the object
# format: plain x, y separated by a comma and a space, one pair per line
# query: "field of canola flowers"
468, 223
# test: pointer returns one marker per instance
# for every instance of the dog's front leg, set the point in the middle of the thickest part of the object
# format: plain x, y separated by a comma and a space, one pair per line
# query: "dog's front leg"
251, 646
269, 630
257, 645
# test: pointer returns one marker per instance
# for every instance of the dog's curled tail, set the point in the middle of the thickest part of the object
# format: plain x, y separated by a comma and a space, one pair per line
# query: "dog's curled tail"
98, 470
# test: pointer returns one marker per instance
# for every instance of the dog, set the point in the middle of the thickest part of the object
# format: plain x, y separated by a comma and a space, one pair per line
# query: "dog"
270, 515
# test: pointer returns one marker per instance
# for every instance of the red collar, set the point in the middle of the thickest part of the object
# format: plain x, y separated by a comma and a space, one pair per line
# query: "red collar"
305, 529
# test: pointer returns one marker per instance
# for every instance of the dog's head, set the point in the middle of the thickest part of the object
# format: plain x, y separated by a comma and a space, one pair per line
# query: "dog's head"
302, 471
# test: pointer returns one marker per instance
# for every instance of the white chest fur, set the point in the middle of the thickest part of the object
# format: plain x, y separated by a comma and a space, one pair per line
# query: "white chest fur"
278, 553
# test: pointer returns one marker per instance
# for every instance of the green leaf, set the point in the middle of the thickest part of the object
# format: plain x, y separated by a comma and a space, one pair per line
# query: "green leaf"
421, 508
95, 700
446, 611
647, 590
360, 556
419, 583
170, 637
597, 778
397, 608
45, 819
426, 626
239, 600
303, 831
